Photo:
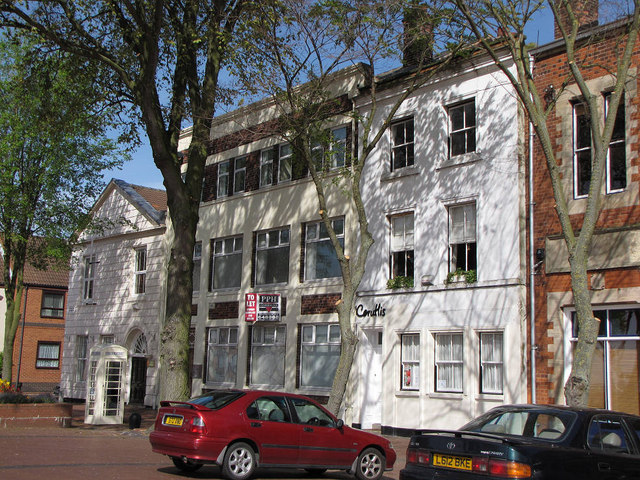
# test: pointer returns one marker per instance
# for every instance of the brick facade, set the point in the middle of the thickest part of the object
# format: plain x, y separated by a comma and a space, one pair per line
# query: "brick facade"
620, 211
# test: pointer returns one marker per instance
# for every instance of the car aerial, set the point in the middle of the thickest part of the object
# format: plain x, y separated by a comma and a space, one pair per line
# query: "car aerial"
241, 430
530, 442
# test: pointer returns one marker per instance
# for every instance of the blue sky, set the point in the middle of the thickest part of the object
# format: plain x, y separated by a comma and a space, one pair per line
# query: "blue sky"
142, 171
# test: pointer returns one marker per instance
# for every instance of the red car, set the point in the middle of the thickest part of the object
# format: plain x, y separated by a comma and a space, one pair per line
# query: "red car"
241, 430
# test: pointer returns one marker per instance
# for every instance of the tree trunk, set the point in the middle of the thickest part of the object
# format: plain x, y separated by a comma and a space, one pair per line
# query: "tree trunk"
349, 342
12, 320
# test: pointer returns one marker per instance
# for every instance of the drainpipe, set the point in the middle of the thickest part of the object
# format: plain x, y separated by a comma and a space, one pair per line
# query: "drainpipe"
24, 314
532, 277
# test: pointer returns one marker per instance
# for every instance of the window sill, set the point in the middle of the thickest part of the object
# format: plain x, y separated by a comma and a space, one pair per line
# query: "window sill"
490, 397
401, 173
446, 395
407, 393
460, 160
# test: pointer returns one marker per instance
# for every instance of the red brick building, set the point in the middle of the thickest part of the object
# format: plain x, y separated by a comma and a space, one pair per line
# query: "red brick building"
614, 265
37, 354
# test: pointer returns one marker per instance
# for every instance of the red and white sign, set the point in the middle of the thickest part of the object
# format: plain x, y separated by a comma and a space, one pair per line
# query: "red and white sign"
262, 307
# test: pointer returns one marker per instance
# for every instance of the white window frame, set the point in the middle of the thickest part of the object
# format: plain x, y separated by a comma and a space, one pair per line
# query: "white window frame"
410, 361
266, 167
239, 174
466, 130
224, 248
491, 358
229, 343
107, 339
310, 339
197, 266
406, 145
313, 235
467, 237
88, 277
334, 157
445, 362
579, 150
285, 158
275, 239
616, 142
402, 241
82, 349
140, 272
224, 172
272, 339
571, 339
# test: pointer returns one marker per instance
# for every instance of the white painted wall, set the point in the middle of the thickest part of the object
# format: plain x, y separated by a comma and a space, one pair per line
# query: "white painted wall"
116, 309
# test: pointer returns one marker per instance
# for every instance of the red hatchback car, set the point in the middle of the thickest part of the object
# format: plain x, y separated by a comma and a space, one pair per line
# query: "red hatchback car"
241, 430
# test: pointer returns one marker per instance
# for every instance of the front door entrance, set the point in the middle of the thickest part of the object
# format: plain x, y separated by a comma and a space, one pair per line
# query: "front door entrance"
371, 373
138, 379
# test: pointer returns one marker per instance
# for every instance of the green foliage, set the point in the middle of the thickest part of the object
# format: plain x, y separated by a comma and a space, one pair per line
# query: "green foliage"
400, 282
470, 276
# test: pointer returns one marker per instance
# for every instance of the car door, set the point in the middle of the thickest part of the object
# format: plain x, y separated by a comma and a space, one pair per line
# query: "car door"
270, 426
613, 451
322, 444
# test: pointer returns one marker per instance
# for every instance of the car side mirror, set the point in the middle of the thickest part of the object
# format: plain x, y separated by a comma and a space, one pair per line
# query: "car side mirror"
339, 424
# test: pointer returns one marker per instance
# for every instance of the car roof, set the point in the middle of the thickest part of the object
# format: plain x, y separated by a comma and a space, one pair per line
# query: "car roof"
578, 410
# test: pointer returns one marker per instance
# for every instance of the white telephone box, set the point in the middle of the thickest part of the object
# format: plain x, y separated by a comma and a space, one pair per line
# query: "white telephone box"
105, 385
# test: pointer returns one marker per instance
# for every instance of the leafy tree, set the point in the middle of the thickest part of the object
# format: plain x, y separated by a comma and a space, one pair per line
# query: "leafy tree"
53, 148
502, 23
163, 57
291, 54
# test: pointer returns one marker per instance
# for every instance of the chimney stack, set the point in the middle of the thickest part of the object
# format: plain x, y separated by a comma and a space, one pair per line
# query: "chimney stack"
585, 11
418, 35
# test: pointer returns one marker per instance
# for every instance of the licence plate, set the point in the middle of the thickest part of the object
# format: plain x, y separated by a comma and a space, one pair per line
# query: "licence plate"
449, 461
172, 420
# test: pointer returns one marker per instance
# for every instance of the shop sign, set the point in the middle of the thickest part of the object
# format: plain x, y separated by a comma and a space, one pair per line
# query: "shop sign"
378, 311
262, 307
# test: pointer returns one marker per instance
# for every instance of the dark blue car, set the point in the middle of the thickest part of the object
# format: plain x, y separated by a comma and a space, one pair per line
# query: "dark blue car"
530, 442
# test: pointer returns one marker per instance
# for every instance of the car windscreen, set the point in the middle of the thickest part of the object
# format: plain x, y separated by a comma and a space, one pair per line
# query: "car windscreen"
540, 424
216, 400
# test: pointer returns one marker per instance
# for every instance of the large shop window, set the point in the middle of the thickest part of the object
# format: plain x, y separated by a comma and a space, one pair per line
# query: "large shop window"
320, 354
614, 369
401, 257
448, 362
226, 263
222, 354
320, 258
267, 355
410, 361
491, 362
272, 257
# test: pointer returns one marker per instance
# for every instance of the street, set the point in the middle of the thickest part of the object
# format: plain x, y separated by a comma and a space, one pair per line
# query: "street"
114, 452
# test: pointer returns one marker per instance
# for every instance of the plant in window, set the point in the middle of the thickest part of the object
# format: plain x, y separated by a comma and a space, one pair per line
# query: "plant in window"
400, 282
469, 276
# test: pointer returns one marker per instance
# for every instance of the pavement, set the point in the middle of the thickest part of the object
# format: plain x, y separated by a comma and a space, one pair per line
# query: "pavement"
114, 452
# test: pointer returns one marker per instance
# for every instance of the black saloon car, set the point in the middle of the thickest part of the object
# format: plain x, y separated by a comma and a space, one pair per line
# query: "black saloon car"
530, 442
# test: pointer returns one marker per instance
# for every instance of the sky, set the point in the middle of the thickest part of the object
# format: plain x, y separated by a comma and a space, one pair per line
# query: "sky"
142, 171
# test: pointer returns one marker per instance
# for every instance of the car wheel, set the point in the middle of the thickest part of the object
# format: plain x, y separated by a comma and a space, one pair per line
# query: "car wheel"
315, 471
239, 462
370, 465
185, 465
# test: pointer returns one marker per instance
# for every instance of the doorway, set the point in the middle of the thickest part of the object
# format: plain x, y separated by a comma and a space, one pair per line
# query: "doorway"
371, 375
138, 379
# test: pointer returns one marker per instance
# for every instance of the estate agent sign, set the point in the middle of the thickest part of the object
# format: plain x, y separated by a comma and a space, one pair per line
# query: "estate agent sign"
262, 307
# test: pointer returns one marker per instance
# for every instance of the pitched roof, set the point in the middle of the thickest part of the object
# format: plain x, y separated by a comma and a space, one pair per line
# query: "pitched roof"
57, 277
152, 202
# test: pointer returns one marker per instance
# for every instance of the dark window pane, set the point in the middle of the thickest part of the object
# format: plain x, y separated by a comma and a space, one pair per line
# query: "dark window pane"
583, 164
470, 114
618, 128
457, 118
617, 167
471, 140
458, 143
624, 322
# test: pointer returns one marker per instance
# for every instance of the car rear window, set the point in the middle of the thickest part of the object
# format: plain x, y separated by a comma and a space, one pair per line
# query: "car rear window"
544, 425
216, 400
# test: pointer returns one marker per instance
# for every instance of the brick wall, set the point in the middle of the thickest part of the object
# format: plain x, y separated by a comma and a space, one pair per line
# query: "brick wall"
552, 69
316, 304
